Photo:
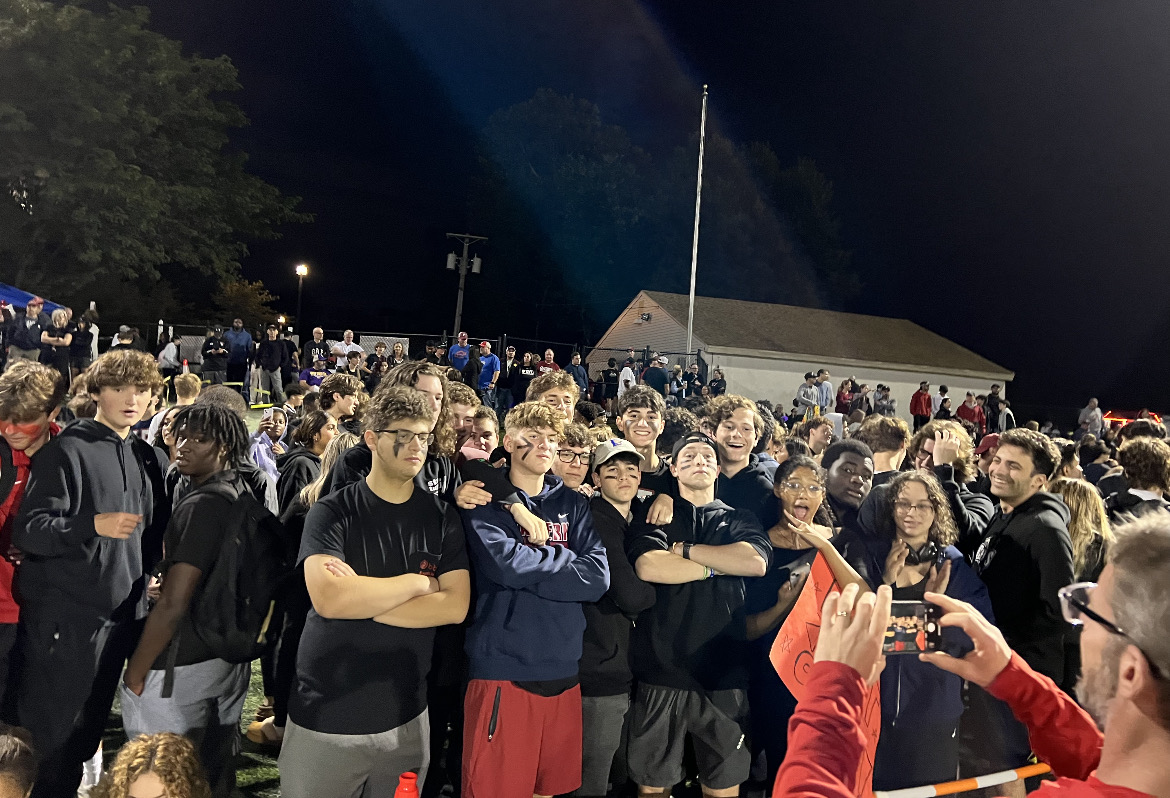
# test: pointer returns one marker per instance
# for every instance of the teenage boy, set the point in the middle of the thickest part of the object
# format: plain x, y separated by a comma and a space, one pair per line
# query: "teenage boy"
95, 502
340, 395
887, 437
572, 463
384, 564
921, 406
640, 412
606, 679
689, 651
30, 398
745, 480
205, 696
522, 728
557, 390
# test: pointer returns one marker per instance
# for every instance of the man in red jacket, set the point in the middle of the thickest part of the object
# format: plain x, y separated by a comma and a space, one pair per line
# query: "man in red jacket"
971, 411
1124, 685
921, 405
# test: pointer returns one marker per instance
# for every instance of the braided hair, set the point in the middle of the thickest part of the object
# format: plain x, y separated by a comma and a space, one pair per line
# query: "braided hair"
218, 424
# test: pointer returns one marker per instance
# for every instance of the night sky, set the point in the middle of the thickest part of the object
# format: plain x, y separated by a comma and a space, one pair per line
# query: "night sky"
1000, 168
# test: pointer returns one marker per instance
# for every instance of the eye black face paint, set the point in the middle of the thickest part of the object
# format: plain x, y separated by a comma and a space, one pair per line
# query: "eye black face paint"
525, 447
397, 447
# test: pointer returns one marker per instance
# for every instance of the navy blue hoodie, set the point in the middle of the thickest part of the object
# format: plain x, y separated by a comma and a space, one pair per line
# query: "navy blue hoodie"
69, 571
528, 621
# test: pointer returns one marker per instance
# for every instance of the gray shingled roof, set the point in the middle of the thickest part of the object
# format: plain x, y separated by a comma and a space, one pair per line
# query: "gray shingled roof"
828, 333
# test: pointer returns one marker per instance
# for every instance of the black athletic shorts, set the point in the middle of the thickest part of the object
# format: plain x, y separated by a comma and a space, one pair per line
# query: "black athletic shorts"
717, 722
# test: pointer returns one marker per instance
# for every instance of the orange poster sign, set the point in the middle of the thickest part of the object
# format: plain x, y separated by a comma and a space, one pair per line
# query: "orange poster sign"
792, 657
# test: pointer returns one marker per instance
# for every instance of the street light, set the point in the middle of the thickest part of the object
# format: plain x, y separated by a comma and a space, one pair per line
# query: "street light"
463, 265
302, 272
280, 320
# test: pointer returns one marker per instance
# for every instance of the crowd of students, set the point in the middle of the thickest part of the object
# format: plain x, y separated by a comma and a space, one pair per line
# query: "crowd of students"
562, 598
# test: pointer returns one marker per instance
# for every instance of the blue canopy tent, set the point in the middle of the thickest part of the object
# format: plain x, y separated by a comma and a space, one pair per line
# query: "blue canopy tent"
18, 298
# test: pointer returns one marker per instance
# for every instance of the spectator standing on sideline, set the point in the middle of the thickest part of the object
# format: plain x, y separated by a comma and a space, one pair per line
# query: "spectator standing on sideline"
240, 348
24, 342
524, 377
921, 406
826, 397
992, 408
808, 397
692, 382
272, 357
489, 374
215, 357
578, 373
656, 376
346, 345
169, 364
971, 411
1091, 418
506, 384
626, 380
460, 352
718, 384
315, 349
883, 403
548, 364
936, 401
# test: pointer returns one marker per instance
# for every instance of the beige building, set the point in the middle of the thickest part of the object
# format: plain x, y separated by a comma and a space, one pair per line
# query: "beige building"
764, 350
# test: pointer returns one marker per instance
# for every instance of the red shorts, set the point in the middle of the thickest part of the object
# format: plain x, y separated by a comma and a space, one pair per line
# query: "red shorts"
535, 745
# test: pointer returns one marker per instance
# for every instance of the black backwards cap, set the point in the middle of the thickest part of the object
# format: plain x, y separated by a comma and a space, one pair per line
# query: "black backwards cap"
694, 437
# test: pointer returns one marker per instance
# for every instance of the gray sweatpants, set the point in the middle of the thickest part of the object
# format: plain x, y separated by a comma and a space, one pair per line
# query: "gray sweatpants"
319, 765
205, 705
601, 731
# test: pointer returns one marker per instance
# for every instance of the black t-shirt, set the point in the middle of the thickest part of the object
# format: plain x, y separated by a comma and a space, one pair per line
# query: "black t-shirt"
657, 379
312, 352
214, 362
194, 536
361, 676
610, 377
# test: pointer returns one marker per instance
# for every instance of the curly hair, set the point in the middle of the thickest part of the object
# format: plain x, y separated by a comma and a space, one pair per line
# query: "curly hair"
805, 428
722, 408
169, 756
485, 412
460, 394
396, 404
1146, 462
641, 397
534, 415
824, 514
554, 380
217, 423
1043, 452
577, 435
1088, 521
407, 375
964, 464
123, 367
29, 390
676, 423
943, 531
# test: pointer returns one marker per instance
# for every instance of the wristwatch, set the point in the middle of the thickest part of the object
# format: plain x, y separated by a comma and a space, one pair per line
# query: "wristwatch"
686, 550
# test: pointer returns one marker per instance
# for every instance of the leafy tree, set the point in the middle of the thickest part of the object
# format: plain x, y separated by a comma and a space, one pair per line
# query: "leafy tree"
245, 300
113, 152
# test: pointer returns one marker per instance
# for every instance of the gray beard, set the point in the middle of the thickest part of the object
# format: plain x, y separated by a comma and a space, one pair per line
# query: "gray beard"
1096, 689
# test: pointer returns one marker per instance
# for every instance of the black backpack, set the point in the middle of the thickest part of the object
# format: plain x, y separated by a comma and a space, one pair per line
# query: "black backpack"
233, 607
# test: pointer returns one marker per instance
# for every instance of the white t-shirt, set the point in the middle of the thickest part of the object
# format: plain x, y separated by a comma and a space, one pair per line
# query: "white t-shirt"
345, 349
626, 380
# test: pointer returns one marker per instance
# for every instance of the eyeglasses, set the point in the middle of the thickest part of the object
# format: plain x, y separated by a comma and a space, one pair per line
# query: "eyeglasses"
1074, 602
796, 487
32, 428
569, 456
404, 436
905, 508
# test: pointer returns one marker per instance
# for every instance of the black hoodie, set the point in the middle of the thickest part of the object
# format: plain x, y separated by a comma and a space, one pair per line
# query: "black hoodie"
1025, 559
298, 467
751, 489
69, 571
605, 649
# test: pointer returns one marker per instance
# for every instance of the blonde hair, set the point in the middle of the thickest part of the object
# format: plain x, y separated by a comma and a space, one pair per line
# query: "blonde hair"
460, 394
554, 380
187, 386
534, 415
1088, 520
342, 442
28, 390
169, 756
122, 368
59, 317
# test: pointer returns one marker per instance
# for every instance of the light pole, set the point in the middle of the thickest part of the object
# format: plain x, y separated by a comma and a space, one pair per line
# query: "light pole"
302, 271
462, 264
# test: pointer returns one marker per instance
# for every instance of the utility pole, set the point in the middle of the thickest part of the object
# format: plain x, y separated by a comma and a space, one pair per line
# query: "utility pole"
695, 240
463, 265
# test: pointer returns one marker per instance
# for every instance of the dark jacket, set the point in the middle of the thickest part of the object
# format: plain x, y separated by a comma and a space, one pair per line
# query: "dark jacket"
751, 489
25, 337
605, 649
1127, 505
1024, 559
695, 636
272, 355
529, 620
298, 467
69, 571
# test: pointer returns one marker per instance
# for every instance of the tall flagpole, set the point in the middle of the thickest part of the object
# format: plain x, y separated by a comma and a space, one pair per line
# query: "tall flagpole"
695, 240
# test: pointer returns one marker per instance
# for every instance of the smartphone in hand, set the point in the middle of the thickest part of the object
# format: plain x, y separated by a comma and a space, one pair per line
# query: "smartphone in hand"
913, 629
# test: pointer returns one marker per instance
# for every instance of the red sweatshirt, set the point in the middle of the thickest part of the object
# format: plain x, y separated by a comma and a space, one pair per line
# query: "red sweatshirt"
920, 404
9, 609
974, 414
826, 741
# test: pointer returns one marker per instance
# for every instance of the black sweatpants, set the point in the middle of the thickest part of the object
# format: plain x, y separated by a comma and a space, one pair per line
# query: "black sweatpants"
9, 671
71, 671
